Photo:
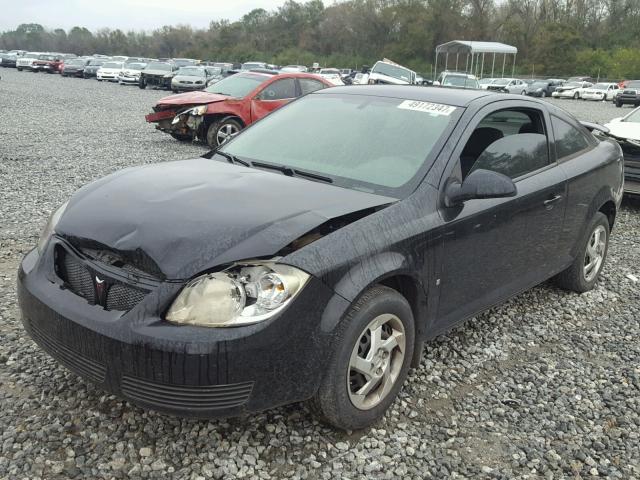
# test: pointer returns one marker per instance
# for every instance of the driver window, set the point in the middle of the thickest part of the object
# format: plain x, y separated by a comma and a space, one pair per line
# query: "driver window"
279, 90
514, 125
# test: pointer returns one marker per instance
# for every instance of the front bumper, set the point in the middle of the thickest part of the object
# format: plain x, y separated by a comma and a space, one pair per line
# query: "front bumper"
564, 94
627, 100
183, 370
129, 80
187, 87
534, 94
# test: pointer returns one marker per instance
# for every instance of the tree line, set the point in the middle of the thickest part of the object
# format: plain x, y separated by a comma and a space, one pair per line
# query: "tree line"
554, 37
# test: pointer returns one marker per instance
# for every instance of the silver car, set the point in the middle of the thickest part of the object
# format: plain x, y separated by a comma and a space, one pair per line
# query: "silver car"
195, 78
508, 85
130, 74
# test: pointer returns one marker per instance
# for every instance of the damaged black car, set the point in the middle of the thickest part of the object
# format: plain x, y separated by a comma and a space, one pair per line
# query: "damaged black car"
311, 257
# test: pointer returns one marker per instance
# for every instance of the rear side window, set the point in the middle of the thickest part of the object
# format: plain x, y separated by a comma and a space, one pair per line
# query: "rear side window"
569, 140
307, 85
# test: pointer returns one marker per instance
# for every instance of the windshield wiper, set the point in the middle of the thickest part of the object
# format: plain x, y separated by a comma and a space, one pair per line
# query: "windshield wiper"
291, 172
232, 158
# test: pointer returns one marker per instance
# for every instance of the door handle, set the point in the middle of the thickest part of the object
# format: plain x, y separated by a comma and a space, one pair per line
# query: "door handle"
552, 200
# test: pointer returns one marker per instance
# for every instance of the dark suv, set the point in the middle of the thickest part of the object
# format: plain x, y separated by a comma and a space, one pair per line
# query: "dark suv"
629, 95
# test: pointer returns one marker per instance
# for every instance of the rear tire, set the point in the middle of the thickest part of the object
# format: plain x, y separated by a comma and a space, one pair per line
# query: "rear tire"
376, 336
593, 248
618, 104
142, 84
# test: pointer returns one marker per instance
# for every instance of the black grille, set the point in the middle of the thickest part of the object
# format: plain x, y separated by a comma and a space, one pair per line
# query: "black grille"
78, 278
176, 397
74, 361
123, 297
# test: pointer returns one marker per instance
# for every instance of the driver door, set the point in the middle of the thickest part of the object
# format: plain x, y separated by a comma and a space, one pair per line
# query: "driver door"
273, 96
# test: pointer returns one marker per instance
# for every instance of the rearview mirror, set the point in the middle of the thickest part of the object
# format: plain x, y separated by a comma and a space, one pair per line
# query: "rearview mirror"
479, 184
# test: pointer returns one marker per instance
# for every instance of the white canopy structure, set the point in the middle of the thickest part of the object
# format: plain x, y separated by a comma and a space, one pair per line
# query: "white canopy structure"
473, 54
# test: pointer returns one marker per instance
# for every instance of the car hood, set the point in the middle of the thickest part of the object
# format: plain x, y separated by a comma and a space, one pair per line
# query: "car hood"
158, 72
190, 78
629, 130
189, 216
193, 98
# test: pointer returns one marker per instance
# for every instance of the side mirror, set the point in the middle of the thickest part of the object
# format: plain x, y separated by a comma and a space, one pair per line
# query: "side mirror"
479, 184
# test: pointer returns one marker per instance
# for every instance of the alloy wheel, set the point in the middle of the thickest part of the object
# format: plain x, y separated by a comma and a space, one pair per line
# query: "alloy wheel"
595, 253
226, 132
376, 361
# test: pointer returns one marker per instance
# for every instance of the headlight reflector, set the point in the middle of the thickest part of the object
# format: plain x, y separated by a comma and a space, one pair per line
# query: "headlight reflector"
50, 227
241, 295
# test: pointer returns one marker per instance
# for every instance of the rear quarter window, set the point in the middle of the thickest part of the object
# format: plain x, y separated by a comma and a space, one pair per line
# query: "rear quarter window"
569, 140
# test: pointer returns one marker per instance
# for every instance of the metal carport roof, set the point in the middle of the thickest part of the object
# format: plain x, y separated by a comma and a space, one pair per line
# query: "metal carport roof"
473, 56
465, 46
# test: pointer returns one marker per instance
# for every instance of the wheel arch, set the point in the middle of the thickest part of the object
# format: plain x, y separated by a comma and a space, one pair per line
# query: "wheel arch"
610, 210
391, 270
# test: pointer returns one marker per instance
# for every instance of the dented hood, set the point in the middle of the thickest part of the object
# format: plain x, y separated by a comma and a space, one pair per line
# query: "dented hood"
192, 98
193, 215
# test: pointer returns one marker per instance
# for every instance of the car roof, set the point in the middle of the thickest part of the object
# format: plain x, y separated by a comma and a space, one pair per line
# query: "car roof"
449, 96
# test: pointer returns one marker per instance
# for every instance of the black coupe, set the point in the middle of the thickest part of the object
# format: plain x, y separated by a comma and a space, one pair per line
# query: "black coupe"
312, 256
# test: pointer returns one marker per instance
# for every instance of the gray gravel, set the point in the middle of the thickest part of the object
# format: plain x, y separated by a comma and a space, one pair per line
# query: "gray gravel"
545, 386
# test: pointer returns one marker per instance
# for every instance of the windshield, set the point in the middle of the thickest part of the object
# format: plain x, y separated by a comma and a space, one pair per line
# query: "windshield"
49, 58
392, 71
633, 84
600, 86
184, 62
159, 66
74, 62
96, 63
329, 71
459, 81
191, 71
135, 66
634, 116
573, 84
113, 65
486, 81
501, 81
368, 143
237, 85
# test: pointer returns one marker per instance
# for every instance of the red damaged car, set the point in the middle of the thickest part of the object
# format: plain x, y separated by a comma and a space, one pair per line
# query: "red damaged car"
48, 63
220, 111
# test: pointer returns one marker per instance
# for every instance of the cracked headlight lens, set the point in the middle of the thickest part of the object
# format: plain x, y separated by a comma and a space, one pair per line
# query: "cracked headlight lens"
241, 295
50, 227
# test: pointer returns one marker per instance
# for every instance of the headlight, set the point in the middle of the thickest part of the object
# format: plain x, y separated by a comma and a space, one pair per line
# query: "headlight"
199, 110
50, 227
241, 295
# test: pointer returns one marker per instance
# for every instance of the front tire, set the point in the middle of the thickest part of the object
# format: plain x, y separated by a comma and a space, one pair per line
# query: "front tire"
142, 84
371, 356
576, 96
583, 274
221, 131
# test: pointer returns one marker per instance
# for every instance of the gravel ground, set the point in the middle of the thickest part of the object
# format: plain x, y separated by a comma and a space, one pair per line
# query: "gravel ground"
545, 386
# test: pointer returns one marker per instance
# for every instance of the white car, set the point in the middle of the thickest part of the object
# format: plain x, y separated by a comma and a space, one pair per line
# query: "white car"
508, 85
601, 92
361, 78
294, 69
626, 131
457, 80
571, 90
391, 73
110, 71
332, 75
485, 82
26, 61
130, 73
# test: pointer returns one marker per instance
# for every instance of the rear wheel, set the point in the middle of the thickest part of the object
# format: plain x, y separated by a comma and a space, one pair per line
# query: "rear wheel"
618, 103
576, 96
370, 359
221, 131
142, 84
19, 69
583, 274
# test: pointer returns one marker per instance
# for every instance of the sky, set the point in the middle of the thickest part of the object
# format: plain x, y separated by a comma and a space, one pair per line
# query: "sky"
124, 14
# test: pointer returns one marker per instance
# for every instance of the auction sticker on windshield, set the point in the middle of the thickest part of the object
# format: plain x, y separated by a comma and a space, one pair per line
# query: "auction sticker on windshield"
427, 107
